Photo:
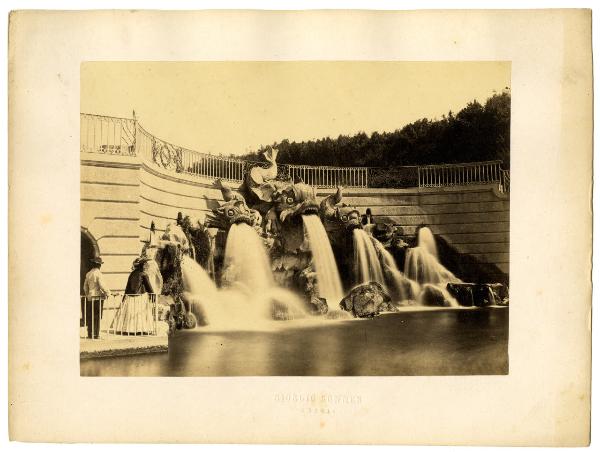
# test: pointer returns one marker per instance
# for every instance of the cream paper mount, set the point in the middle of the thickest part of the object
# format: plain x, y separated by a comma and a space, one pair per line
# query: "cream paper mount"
545, 397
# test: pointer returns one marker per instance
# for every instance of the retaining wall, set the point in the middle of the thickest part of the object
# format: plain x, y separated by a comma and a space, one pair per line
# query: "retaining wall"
120, 197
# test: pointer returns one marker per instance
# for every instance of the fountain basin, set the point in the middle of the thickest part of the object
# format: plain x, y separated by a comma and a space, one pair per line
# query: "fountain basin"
414, 341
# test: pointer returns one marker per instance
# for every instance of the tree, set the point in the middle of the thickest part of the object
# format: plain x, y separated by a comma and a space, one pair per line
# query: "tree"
476, 133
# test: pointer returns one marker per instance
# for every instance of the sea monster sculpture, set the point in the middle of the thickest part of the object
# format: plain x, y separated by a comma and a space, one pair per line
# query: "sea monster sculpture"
233, 211
274, 206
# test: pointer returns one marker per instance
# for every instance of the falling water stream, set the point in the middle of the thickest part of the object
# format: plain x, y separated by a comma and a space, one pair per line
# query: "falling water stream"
373, 263
249, 291
402, 287
246, 261
426, 240
328, 278
422, 265
246, 301
366, 261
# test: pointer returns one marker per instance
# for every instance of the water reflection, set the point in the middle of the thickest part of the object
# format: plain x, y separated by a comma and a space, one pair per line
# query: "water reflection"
427, 342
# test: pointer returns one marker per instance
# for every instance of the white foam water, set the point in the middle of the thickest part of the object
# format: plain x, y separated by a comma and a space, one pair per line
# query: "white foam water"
329, 284
246, 261
373, 263
250, 294
403, 287
366, 261
426, 240
422, 264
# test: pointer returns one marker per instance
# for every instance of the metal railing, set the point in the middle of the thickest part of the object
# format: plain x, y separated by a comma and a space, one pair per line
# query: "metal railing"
330, 176
110, 135
123, 315
213, 166
459, 174
504, 185
181, 160
107, 135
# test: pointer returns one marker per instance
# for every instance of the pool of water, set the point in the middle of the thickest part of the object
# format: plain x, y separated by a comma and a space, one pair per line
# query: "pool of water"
414, 342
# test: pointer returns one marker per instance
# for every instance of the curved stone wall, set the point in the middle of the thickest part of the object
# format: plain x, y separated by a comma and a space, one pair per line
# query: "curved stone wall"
473, 220
110, 189
121, 196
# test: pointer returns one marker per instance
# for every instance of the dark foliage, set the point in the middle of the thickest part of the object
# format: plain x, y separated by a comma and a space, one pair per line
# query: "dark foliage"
476, 133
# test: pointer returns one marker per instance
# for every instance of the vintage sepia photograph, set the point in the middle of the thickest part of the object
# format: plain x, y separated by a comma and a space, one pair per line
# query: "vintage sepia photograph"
298, 218
317, 219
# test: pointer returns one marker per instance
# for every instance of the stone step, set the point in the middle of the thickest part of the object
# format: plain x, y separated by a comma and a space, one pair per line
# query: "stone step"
481, 237
490, 258
98, 191
486, 195
445, 219
109, 174
94, 209
456, 228
477, 248
440, 209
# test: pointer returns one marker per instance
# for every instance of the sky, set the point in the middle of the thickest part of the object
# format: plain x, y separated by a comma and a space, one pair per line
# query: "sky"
233, 107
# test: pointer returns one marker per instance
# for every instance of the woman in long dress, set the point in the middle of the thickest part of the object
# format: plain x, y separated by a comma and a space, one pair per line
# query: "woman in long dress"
135, 314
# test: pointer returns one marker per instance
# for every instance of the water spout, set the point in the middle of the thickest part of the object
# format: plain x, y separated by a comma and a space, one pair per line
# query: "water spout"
329, 284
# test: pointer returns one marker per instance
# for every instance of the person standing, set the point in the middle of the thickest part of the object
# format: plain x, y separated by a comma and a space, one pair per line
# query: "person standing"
135, 314
138, 282
95, 291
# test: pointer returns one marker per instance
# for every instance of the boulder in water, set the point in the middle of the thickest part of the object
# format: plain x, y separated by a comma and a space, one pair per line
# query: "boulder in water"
500, 292
318, 306
432, 295
307, 281
480, 295
367, 300
483, 295
463, 292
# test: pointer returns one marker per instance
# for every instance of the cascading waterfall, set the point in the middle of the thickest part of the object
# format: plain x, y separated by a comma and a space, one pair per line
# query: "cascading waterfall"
426, 240
329, 284
372, 262
250, 294
366, 260
422, 266
421, 263
246, 262
247, 301
195, 278
422, 269
402, 287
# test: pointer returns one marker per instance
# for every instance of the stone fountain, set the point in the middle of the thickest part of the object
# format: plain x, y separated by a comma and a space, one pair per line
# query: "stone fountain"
272, 242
